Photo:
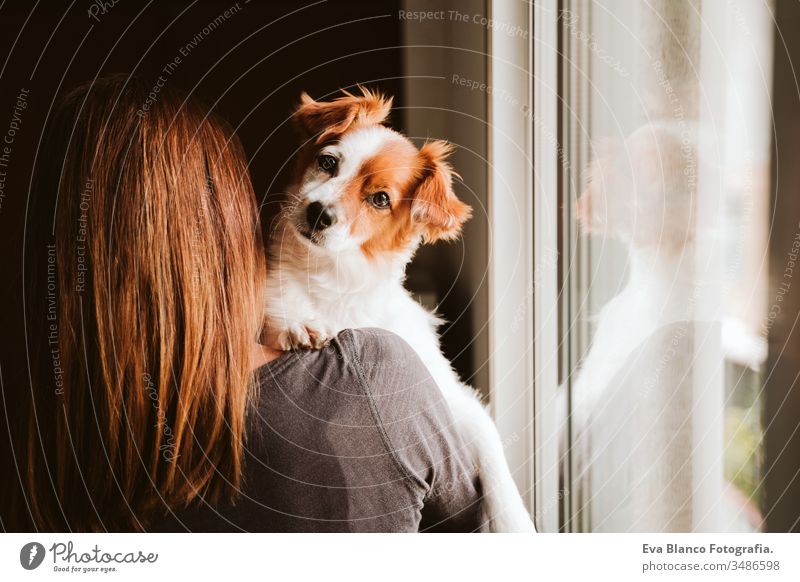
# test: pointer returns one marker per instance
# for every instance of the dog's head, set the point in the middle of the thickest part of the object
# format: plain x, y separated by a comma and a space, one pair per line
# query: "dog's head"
363, 186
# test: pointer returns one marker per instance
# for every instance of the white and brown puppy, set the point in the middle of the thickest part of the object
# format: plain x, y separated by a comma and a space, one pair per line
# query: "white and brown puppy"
363, 199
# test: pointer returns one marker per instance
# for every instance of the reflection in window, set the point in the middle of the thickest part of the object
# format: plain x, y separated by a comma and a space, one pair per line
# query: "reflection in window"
666, 119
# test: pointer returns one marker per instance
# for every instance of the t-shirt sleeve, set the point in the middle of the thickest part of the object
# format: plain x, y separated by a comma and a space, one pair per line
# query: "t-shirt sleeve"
419, 431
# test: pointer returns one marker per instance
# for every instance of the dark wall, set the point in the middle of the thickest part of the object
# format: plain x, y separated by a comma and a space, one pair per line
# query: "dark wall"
782, 389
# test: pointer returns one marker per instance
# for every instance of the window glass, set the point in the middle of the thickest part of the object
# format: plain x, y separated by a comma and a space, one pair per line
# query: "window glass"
666, 120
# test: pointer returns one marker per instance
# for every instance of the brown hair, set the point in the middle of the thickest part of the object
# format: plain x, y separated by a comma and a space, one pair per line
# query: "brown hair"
144, 262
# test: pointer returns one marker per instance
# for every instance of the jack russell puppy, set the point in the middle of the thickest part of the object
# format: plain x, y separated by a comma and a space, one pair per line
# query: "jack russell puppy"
363, 199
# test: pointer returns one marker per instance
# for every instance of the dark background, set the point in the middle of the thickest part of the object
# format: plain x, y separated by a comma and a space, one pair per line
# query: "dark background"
782, 391
251, 69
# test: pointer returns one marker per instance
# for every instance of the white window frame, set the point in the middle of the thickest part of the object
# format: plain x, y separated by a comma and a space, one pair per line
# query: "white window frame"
523, 292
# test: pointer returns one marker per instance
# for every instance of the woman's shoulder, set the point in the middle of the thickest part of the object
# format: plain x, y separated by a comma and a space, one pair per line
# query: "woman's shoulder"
372, 352
406, 401
373, 341
389, 367
357, 363
365, 393
378, 350
365, 375
418, 428
367, 403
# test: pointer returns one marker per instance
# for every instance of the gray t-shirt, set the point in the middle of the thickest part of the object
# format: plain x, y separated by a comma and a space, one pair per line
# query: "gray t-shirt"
355, 437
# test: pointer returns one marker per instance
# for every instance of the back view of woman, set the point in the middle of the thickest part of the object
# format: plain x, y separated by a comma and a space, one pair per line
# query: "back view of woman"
141, 274
141, 399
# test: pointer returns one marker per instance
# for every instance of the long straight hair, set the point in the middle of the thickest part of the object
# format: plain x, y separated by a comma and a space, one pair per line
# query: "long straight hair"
143, 264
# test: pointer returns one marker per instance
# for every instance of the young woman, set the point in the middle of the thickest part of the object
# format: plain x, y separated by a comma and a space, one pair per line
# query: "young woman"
144, 401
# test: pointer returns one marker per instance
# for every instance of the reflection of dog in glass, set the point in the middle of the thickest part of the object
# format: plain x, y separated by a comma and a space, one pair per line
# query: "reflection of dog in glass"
629, 405
364, 198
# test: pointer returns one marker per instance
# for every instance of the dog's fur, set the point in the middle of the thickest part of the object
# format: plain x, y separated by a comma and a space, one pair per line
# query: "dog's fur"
350, 273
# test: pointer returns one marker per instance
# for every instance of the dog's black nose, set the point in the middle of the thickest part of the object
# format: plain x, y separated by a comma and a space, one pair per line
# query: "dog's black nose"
319, 217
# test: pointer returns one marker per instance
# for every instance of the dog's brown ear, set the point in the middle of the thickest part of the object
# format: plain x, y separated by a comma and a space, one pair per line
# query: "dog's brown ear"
323, 120
435, 205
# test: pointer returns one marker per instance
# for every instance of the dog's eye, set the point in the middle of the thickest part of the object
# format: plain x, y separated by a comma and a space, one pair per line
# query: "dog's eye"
379, 200
327, 163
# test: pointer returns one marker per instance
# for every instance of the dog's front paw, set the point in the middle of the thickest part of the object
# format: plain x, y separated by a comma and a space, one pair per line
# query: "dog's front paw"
300, 336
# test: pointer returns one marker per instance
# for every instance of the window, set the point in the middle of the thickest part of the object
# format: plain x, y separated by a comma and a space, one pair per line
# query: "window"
630, 215
664, 195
